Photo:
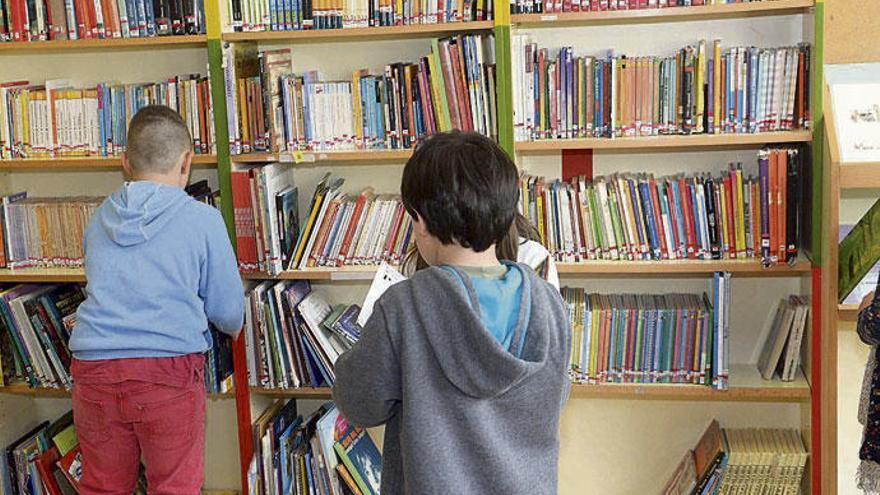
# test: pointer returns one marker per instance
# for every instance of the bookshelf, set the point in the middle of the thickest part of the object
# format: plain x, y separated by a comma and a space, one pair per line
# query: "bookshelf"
863, 175
88, 163
665, 143
361, 34
23, 390
103, 45
329, 157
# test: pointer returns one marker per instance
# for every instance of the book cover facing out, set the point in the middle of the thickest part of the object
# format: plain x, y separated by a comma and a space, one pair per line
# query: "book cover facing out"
359, 454
858, 257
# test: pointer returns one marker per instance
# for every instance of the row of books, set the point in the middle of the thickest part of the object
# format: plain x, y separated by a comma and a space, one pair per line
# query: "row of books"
702, 89
320, 453
745, 460
46, 460
339, 229
296, 15
56, 119
552, 7
639, 217
293, 336
270, 108
42, 20
642, 338
36, 322
781, 354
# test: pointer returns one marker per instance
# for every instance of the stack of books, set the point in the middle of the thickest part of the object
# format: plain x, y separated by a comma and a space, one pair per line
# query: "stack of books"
638, 217
550, 7
781, 354
276, 15
642, 338
58, 120
41, 20
339, 229
271, 108
699, 90
44, 232
319, 453
36, 322
750, 460
293, 336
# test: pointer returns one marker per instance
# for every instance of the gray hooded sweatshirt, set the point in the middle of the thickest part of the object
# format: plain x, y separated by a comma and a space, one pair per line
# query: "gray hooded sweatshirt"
462, 414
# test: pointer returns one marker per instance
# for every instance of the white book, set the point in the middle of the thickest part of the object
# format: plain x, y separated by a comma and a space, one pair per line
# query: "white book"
385, 277
775, 341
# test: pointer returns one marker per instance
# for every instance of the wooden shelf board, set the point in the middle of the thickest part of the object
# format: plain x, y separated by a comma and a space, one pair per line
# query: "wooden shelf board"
310, 157
361, 34
87, 163
722, 141
749, 267
30, 275
23, 389
105, 44
746, 385
865, 175
641, 16
848, 312
572, 270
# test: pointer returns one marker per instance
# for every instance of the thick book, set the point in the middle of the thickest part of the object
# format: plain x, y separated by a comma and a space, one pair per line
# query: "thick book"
361, 458
858, 252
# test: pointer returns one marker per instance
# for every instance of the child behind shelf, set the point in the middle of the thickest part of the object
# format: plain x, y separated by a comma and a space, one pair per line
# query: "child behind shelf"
465, 362
159, 267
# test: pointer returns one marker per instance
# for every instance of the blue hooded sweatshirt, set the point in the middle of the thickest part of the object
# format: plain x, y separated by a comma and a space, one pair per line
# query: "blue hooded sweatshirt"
159, 267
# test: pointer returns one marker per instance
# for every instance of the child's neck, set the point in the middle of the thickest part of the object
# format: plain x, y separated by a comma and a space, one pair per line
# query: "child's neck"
456, 255
168, 180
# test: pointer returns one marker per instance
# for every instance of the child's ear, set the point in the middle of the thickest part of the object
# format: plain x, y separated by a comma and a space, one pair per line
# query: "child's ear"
126, 167
420, 228
185, 167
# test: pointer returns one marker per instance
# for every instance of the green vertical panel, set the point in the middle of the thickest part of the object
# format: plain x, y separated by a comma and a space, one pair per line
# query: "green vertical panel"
817, 216
504, 87
221, 132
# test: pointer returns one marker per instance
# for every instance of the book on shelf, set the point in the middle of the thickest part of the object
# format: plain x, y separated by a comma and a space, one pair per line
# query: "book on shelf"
859, 251
643, 338
868, 283
273, 15
781, 353
339, 229
759, 460
733, 215
702, 89
318, 453
58, 119
30, 463
550, 7
293, 336
42, 20
271, 108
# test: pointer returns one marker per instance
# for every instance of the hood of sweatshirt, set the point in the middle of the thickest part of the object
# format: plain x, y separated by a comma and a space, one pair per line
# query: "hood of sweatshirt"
137, 211
469, 356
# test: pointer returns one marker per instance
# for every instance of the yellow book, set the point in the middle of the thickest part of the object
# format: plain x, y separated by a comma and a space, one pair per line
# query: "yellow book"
581, 110
724, 236
701, 81
716, 90
25, 123
356, 106
310, 223
594, 339
438, 89
539, 201
740, 215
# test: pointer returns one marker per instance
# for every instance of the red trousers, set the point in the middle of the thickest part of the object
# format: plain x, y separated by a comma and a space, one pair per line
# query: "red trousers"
145, 409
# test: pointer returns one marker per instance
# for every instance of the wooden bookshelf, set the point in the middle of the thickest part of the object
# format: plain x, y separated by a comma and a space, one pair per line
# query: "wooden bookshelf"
746, 385
152, 43
864, 175
362, 34
666, 143
87, 163
23, 389
671, 14
310, 157
42, 275
750, 268
848, 312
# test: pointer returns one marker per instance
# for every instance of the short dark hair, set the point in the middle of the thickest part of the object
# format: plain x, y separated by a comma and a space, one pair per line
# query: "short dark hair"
157, 137
464, 187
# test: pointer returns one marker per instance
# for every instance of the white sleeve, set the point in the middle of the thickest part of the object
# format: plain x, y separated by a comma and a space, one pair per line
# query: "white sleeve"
534, 254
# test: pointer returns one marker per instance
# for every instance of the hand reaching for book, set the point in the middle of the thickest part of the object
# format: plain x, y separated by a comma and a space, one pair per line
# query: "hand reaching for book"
866, 301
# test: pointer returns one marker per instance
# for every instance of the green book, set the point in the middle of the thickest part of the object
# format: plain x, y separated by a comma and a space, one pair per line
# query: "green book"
858, 252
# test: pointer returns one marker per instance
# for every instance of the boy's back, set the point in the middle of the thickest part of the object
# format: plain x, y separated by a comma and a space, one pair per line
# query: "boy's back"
469, 417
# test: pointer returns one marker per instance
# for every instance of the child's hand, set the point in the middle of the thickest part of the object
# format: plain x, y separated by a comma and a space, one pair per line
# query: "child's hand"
866, 301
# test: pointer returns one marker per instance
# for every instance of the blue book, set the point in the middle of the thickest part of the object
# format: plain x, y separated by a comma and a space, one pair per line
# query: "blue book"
640, 228
150, 18
648, 210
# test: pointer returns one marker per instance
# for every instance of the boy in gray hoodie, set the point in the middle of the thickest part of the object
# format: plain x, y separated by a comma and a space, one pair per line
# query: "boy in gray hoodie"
466, 362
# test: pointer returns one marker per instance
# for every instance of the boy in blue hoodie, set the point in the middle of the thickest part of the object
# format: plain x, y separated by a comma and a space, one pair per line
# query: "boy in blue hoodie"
466, 362
159, 268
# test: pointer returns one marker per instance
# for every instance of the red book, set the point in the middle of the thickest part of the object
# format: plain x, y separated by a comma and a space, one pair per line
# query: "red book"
45, 464
735, 200
71, 466
458, 74
19, 32
449, 84
245, 232
688, 212
323, 232
359, 210
392, 232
